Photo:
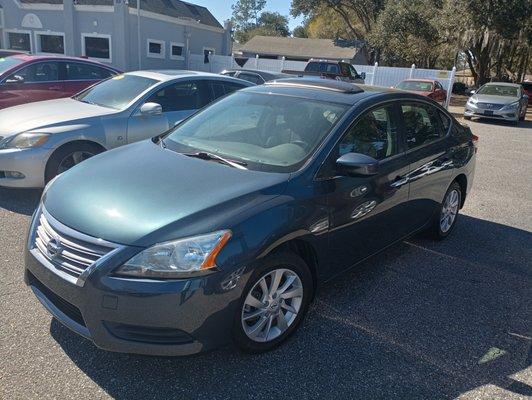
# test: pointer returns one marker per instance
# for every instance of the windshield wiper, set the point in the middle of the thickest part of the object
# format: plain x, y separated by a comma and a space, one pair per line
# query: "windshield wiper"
211, 156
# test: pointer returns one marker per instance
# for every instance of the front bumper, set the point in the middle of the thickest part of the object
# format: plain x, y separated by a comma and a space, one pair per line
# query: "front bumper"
502, 114
29, 162
166, 318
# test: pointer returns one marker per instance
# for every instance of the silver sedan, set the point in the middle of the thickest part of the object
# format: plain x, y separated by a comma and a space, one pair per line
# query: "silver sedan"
497, 100
40, 140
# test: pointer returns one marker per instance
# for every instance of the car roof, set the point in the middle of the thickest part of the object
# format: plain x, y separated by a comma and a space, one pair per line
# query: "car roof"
502, 84
33, 57
164, 75
419, 80
322, 89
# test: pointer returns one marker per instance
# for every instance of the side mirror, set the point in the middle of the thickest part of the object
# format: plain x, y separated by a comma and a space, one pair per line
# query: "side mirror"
150, 109
362, 75
472, 92
15, 79
355, 164
526, 97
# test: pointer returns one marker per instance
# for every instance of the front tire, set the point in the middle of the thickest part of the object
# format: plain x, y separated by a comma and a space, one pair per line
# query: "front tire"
68, 155
273, 304
447, 215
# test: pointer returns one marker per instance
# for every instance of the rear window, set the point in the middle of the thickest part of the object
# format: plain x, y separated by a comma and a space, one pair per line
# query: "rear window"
7, 63
417, 86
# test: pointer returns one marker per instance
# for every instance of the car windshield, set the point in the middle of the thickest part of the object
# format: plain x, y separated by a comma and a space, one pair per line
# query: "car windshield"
268, 132
498, 90
116, 92
418, 86
7, 63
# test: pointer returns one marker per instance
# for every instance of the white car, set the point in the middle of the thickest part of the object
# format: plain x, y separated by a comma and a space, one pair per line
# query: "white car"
40, 140
498, 100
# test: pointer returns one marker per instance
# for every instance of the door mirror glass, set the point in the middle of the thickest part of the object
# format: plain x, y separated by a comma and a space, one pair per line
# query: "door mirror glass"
362, 75
15, 79
149, 109
356, 164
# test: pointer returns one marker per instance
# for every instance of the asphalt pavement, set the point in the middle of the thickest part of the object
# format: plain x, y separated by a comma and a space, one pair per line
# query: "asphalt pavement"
425, 320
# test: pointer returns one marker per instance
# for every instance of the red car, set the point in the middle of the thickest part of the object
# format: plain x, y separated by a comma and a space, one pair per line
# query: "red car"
425, 87
28, 78
527, 87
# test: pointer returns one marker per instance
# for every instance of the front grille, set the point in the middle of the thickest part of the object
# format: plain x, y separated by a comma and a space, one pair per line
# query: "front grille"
69, 309
67, 250
490, 106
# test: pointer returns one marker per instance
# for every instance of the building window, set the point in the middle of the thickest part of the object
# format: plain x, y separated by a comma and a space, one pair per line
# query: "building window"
53, 43
96, 46
155, 48
19, 41
177, 51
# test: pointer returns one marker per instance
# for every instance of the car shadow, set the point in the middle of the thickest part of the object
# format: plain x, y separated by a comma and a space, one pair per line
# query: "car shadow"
527, 124
423, 320
20, 201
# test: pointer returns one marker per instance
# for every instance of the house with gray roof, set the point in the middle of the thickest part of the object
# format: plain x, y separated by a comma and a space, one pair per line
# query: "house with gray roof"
160, 35
302, 49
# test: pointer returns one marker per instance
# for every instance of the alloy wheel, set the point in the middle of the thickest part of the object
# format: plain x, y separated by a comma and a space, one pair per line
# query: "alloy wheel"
449, 210
73, 159
272, 305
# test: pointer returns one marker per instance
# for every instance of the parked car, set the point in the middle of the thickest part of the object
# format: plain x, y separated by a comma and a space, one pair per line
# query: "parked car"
43, 139
339, 70
27, 78
498, 100
7, 53
224, 228
257, 77
426, 87
527, 87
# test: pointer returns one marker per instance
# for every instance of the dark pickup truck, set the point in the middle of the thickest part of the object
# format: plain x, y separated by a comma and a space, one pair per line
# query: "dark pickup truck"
339, 70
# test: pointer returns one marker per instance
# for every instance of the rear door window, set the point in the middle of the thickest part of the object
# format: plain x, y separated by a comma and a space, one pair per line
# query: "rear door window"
253, 78
422, 123
181, 96
86, 72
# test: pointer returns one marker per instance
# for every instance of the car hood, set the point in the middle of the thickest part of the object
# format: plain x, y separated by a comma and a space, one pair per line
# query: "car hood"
46, 114
143, 194
484, 98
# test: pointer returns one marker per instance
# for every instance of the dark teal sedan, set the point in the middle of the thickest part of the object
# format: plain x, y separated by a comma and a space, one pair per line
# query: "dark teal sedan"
223, 229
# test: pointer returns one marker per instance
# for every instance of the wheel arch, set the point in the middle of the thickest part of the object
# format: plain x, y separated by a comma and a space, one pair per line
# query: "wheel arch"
98, 145
307, 251
462, 181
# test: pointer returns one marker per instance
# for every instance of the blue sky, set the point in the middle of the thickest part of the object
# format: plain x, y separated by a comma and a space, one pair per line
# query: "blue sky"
221, 9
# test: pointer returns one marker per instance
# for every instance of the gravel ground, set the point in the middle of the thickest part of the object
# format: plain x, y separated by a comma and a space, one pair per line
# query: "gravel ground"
425, 320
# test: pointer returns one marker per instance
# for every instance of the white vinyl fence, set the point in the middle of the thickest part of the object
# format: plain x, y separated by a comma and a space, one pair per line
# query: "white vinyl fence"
375, 74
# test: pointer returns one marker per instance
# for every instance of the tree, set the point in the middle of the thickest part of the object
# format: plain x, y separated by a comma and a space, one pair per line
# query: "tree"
246, 15
496, 37
358, 16
300, 32
268, 24
407, 32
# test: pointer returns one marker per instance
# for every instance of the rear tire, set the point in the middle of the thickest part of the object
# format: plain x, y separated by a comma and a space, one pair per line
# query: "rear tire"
273, 303
447, 215
67, 156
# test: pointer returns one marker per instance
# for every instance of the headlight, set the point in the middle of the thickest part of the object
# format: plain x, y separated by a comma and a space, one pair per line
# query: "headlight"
511, 106
24, 140
177, 258
472, 101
